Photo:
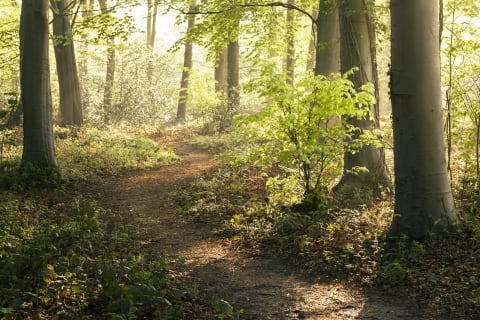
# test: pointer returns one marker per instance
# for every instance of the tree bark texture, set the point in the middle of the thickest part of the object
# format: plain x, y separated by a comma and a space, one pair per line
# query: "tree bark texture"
152, 9
109, 74
311, 55
423, 196
221, 72
38, 140
233, 77
327, 57
71, 112
290, 36
187, 67
356, 51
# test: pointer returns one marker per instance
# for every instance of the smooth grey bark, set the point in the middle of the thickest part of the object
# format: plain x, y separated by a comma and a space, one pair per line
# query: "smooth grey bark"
87, 9
423, 196
152, 9
221, 72
290, 37
327, 49
187, 67
356, 51
109, 74
233, 80
38, 139
327, 56
71, 112
310, 65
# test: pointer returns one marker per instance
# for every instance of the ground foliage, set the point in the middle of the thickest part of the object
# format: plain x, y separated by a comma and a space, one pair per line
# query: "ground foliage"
62, 256
72, 261
88, 153
341, 240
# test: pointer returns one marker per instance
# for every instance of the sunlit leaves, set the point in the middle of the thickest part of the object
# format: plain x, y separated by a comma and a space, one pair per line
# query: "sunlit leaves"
107, 26
301, 129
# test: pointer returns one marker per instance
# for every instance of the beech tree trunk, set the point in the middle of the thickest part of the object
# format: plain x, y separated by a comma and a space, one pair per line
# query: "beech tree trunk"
69, 86
356, 51
187, 67
233, 75
221, 72
38, 140
327, 56
290, 36
310, 65
423, 196
152, 9
109, 74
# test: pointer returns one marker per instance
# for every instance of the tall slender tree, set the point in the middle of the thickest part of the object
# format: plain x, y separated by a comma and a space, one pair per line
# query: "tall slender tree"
38, 140
152, 11
423, 196
358, 50
290, 37
233, 78
187, 67
110, 72
221, 72
233, 75
71, 112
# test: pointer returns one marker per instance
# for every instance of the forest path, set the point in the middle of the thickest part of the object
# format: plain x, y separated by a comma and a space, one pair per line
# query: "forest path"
263, 286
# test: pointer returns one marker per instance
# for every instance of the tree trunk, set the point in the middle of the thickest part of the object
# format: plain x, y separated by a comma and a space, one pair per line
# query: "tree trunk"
233, 75
290, 36
356, 51
149, 20
151, 33
38, 140
110, 73
221, 73
327, 57
87, 9
69, 86
423, 197
311, 55
187, 67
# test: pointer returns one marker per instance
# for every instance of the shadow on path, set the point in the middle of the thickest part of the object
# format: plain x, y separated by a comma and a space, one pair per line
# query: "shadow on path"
262, 285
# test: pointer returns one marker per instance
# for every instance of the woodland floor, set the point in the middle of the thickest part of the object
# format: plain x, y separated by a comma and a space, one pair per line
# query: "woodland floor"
264, 286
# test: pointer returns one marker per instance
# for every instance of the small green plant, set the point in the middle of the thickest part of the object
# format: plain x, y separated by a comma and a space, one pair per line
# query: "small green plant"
224, 310
301, 130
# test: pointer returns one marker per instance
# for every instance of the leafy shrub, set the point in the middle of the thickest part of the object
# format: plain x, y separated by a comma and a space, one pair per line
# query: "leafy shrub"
299, 130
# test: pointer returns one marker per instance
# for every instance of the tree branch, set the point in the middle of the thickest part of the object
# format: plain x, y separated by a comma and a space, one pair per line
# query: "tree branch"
250, 5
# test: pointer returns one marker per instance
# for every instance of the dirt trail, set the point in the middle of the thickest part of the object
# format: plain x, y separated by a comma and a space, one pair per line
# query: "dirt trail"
263, 286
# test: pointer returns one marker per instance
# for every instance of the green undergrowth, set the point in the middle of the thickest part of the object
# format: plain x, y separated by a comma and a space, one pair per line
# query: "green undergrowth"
88, 153
62, 261
441, 273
